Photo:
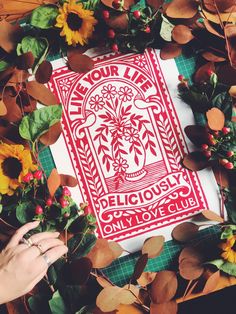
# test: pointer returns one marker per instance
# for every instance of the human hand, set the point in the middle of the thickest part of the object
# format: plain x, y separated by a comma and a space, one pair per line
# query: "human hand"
23, 265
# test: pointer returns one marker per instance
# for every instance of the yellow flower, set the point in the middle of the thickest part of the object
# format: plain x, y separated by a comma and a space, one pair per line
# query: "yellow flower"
15, 163
77, 23
229, 253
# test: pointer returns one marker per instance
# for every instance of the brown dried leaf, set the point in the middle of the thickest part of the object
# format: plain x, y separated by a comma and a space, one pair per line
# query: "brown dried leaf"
153, 246
3, 108
119, 22
190, 254
182, 34
128, 294
185, 231
146, 278
210, 27
18, 76
216, 6
103, 282
101, 255
139, 266
215, 119
44, 72
108, 300
53, 182
230, 36
14, 113
115, 248
164, 286
226, 74
195, 161
155, 4
224, 17
164, 308
9, 35
190, 269
41, 93
197, 134
80, 63
170, 50
211, 283
52, 135
210, 215
221, 176
201, 75
25, 61
182, 9
212, 57
68, 180
78, 271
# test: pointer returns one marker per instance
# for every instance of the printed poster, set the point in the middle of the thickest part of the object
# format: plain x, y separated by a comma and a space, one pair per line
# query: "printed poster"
123, 140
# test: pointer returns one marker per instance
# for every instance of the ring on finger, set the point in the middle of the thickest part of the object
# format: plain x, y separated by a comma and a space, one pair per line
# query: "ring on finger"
39, 246
47, 259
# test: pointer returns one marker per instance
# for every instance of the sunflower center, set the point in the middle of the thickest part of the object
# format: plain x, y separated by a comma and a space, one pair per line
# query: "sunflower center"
11, 167
74, 21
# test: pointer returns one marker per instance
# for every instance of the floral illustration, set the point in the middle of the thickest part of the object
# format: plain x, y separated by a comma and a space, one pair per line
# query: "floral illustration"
123, 136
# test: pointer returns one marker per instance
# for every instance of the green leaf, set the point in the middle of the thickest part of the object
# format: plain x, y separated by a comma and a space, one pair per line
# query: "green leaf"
226, 233
229, 268
84, 310
38, 46
218, 263
39, 122
44, 17
213, 79
140, 6
57, 304
81, 244
4, 65
24, 212
39, 304
1, 208
91, 4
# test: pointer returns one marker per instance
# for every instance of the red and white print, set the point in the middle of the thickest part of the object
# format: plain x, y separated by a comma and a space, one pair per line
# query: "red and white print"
124, 139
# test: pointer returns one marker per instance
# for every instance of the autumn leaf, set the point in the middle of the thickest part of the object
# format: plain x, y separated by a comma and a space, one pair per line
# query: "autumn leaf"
53, 182
184, 231
153, 246
164, 286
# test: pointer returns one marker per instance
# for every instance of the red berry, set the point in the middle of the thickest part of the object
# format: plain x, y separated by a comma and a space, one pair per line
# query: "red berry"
210, 72
28, 177
49, 201
105, 14
38, 210
38, 174
225, 130
137, 14
205, 146
66, 215
230, 153
110, 33
229, 165
66, 191
223, 161
181, 78
116, 4
207, 153
64, 203
114, 47
147, 30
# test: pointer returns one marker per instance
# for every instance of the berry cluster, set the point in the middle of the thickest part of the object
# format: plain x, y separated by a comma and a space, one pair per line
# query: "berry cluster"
217, 148
30, 177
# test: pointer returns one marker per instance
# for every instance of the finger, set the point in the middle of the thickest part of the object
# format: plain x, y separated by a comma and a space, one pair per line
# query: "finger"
21, 232
52, 255
44, 246
38, 237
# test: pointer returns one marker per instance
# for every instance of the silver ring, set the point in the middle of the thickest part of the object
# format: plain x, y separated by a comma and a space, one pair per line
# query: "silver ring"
47, 260
39, 246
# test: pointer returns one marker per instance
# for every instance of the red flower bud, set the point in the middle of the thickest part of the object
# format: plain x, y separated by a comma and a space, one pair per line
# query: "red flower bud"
114, 47
49, 201
28, 177
147, 30
38, 174
207, 153
230, 153
229, 165
110, 33
181, 78
204, 147
225, 130
210, 72
105, 14
66, 191
223, 161
116, 4
38, 210
137, 14
64, 203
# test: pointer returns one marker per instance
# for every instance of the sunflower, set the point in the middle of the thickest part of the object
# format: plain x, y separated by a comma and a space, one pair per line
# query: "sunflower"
229, 253
15, 163
77, 23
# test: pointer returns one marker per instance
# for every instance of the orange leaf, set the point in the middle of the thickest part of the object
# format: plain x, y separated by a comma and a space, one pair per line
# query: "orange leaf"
103, 282
41, 93
212, 57
164, 308
3, 108
164, 286
210, 215
67, 180
101, 255
9, 35
190, 269
182, 9
54, 181
182, 34
119, 22
107, 299
146, 278
211, 283
153, 246
52, 135
170, 50
80, 63
115, 248
195, 161
184, 231
215, 119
